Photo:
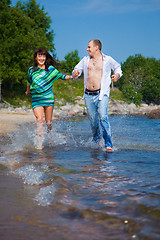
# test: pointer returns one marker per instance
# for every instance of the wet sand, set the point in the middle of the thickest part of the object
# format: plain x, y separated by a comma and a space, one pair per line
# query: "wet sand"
9, 121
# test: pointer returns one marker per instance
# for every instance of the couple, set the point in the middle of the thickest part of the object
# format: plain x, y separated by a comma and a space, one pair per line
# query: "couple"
97, 79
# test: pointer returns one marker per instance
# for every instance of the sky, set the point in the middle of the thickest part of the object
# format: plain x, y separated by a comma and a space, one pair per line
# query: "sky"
125, 27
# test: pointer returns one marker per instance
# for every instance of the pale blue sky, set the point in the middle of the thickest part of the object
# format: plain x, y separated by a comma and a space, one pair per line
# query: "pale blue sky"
125, 27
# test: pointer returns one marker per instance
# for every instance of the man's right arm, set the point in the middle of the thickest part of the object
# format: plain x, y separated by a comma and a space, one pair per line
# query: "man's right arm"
76, 73
78, 69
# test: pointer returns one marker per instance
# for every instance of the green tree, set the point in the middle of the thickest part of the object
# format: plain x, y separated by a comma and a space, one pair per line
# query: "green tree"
68, 91
41, 20
71, 60
151, 83
20, 35
4, 4
141, 79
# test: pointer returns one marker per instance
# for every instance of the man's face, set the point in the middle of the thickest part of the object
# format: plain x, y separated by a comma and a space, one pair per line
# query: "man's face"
91, 49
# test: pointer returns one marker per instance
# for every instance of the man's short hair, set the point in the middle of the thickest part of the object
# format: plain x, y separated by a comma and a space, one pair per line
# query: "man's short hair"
97, 42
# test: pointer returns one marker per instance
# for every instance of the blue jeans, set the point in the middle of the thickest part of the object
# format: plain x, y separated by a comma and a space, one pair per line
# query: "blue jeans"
98, 115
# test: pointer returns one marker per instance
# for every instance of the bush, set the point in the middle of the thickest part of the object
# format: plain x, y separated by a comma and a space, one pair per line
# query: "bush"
131, 93
67, 91
116, 94
141, 79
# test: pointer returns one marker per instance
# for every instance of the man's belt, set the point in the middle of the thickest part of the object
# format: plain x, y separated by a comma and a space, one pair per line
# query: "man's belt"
89, 92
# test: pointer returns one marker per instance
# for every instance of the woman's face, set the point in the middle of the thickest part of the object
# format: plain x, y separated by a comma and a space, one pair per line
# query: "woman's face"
41, 58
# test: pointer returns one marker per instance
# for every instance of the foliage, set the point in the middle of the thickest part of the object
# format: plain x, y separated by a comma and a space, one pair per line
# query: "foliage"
41, 21
26, 26
23, 28
116, 94
141, 79
67, 91
17, 99
4, 4
71, 60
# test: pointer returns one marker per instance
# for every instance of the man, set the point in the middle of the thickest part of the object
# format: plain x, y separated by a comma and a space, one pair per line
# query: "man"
97, 79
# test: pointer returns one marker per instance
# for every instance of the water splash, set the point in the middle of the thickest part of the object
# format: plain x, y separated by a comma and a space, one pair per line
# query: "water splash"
46, 195
33, 175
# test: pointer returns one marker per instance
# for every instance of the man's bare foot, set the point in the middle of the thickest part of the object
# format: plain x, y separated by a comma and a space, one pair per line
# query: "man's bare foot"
109, 149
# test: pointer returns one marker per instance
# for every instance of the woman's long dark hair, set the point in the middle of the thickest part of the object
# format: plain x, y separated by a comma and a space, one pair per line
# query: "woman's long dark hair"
49, 58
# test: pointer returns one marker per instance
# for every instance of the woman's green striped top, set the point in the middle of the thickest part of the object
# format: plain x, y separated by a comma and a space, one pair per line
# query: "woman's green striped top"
41, 81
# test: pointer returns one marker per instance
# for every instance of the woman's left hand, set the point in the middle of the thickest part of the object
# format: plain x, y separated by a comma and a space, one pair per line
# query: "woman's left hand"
69, 77
27, 93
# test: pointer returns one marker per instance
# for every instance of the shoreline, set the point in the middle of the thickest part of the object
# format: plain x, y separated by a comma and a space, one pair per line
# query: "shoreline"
10, 118
9, 121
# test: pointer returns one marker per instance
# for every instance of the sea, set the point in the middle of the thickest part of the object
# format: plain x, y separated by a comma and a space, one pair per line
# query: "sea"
72, 189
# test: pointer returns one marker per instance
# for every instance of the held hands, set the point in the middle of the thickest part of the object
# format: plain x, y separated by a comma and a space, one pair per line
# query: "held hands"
69, 77
75, 73
115, 77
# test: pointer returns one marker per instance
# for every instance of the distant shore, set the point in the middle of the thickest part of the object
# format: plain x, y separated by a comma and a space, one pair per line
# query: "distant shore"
10, 118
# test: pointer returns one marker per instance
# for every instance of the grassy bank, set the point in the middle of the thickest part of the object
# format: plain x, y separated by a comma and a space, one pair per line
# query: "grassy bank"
64, 91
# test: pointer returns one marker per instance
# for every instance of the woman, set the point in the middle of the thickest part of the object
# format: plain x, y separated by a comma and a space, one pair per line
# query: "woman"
39, 83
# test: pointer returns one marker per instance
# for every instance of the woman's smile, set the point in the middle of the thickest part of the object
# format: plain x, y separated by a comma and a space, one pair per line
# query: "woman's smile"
41, 58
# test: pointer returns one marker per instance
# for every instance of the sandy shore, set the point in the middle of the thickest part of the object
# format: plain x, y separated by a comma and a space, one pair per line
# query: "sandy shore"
11, 118
9, 121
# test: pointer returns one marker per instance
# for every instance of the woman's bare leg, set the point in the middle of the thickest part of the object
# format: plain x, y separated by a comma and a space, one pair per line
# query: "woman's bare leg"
48, 110
39, 113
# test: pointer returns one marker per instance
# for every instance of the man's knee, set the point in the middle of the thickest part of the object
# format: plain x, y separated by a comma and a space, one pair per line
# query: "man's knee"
103, 117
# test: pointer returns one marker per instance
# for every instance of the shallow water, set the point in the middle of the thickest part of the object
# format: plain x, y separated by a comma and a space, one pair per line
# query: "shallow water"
73, 189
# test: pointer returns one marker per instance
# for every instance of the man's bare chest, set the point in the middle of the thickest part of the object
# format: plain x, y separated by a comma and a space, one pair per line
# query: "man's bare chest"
95, 66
